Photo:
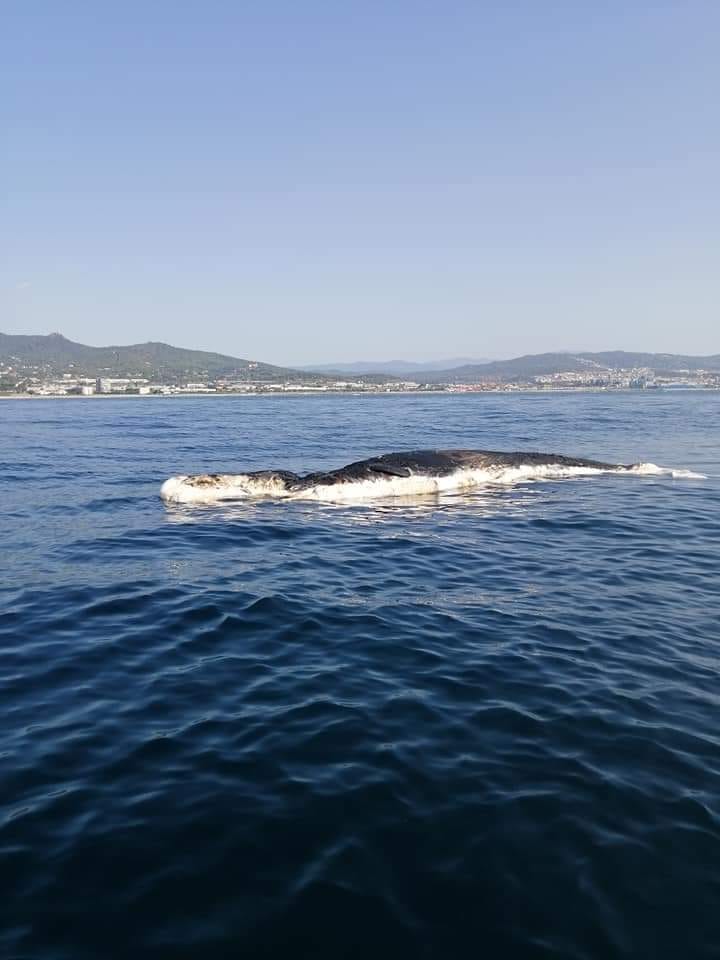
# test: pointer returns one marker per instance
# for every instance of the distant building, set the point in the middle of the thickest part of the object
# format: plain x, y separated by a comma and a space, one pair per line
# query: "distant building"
197, 388
118, 384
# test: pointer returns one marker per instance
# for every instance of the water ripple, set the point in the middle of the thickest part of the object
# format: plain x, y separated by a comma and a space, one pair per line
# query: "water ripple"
474, 724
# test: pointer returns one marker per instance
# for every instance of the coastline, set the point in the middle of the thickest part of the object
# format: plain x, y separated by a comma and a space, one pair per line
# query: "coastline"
534, 391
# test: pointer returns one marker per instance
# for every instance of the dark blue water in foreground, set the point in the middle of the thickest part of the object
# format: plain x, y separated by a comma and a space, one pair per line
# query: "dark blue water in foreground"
469, 726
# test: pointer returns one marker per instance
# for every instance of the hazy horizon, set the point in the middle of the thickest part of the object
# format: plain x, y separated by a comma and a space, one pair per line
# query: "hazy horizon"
311, 184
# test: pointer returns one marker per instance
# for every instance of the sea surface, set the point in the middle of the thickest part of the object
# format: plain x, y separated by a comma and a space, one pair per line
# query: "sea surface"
477, 725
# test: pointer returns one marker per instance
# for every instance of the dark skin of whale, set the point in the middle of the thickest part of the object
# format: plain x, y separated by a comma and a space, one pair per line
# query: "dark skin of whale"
435, 463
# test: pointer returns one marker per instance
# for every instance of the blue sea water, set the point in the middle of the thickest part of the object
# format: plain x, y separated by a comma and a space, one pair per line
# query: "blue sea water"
475, 725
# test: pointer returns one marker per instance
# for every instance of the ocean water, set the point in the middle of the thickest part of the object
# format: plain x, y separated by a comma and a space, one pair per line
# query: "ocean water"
483, 724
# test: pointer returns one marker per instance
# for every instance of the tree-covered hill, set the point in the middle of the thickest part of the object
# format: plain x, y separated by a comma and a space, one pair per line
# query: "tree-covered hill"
54, 355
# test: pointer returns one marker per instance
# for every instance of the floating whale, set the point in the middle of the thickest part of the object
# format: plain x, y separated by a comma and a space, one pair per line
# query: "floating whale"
391, 475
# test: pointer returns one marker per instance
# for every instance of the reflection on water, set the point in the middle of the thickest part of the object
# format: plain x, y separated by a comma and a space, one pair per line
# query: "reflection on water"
482, 503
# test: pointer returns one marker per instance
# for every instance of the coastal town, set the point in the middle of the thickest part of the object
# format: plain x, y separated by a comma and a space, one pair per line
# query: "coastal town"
69, 385
53, 366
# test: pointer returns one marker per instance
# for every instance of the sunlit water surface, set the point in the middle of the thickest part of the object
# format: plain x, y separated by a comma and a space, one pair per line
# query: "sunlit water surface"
476, 725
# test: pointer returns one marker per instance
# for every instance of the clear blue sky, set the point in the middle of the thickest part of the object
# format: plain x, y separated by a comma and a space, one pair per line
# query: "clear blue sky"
317, 181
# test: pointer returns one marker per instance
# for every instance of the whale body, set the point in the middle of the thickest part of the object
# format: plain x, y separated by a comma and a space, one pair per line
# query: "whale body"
390, 475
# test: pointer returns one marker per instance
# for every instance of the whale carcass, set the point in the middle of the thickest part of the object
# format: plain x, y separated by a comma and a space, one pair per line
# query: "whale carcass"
390, 475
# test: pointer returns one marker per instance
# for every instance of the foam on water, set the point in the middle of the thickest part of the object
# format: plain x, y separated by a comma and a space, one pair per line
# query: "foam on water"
653, 470
212, 488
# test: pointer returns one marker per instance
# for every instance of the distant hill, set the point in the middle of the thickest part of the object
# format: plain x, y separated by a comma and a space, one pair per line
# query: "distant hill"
54, 355
390, 367
545, 364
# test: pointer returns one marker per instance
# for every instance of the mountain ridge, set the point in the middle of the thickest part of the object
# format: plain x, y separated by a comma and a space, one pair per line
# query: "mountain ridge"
53, 355
547, 364
390, 367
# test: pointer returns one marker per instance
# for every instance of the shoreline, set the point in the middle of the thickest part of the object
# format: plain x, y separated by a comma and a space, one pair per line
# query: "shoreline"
355, 393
